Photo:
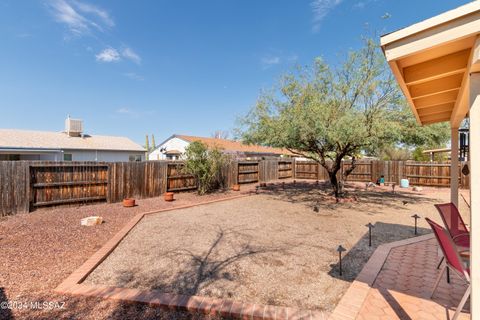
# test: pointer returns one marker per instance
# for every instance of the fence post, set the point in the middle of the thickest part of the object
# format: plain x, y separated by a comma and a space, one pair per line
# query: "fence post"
294, 168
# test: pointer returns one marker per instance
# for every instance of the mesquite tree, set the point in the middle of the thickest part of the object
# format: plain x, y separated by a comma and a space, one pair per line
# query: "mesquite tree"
328, 113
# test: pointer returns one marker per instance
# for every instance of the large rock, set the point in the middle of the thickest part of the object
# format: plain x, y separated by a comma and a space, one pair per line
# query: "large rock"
91, 221
417, 188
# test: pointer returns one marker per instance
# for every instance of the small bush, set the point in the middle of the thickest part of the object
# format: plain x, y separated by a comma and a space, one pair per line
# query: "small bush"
205, 165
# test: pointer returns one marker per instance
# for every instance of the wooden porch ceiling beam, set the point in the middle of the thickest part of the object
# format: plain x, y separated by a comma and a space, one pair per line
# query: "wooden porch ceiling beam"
437, 86
437, 99
461, 107
435, 121
475, 64
436, 117
442, 108
437, 68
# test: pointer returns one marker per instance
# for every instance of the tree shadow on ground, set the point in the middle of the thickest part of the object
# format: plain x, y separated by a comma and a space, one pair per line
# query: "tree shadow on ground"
356, 257
5, 312
313, 194
196, 271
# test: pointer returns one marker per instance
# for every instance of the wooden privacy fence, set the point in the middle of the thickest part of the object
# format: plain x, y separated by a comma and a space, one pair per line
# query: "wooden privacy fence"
25, 185
248, 171
418, 173
63, 183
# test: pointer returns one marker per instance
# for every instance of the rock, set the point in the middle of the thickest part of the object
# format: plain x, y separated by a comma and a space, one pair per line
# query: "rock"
417, 189
91, 221
371, 184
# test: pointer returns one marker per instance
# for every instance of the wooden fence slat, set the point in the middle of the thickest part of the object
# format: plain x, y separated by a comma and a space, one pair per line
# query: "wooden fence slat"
26, 184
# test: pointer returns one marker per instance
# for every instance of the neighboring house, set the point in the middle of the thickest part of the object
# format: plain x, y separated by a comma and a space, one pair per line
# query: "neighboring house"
174, 147
70, 145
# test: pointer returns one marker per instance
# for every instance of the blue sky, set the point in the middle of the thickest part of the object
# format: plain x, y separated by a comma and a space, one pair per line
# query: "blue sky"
190, 67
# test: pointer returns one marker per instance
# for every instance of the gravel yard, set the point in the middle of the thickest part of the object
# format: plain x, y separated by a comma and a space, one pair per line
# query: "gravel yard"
42, 248
277, 247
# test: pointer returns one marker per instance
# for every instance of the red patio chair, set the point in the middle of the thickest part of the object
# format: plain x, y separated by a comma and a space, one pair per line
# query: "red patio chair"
452, 261
454, 223
456, 227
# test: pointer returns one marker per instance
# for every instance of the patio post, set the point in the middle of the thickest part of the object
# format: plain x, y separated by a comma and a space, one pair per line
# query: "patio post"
454, 168
474, 159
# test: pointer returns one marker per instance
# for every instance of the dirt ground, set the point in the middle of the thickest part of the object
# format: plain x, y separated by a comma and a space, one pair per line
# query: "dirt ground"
40, 249
278, 247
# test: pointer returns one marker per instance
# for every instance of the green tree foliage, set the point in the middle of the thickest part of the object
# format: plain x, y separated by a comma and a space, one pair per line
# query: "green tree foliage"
418, 155
410, 134
394, 153
327, 114
205, 165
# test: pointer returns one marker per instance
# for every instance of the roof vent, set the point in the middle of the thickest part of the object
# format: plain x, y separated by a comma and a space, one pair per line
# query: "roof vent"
73, 127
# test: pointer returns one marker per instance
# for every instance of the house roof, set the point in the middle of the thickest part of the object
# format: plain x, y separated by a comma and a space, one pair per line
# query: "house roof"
432, 60
234, 146
25, 139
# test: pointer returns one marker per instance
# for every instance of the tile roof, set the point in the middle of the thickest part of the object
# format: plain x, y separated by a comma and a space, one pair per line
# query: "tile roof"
234, 146
11, 138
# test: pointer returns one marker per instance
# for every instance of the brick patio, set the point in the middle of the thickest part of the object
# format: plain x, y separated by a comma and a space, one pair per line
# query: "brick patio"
396, 282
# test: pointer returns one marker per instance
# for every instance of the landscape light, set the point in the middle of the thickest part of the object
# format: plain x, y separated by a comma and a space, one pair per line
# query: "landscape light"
416, 216
370, 226
340, 249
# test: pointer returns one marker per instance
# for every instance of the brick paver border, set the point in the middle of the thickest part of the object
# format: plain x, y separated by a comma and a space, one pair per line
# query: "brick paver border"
352, 301
228, 308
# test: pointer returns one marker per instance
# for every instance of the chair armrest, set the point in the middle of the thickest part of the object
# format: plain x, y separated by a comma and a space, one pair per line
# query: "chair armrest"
466, 234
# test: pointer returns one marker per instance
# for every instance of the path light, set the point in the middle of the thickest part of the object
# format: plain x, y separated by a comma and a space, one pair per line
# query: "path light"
294, 181
340, 249
316, 182
256, 189
393, 187
416, 216
370, 226
283, 185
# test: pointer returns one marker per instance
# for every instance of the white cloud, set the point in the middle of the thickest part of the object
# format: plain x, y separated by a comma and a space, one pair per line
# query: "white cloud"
100, 14
108, 55
293, 58
359, 5
320, 10
124, 111
134, 76
363, 3
128, 53
269, 61
79, 17
133, 113
82, 18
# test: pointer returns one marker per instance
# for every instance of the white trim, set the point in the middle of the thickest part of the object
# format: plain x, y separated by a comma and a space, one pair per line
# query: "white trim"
430, 23
454, 167
474, 162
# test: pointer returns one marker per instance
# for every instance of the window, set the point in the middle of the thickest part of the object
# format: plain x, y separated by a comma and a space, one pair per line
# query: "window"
135, 157
67, 157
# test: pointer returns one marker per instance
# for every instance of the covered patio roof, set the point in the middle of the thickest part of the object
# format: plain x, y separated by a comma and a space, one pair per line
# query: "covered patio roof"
432, 60
437, 64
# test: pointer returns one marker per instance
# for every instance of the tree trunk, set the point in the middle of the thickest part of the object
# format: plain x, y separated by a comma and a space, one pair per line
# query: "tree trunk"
332, 174
334, 182
350, 170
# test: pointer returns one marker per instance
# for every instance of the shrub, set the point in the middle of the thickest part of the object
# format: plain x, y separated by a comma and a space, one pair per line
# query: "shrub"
205, 165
